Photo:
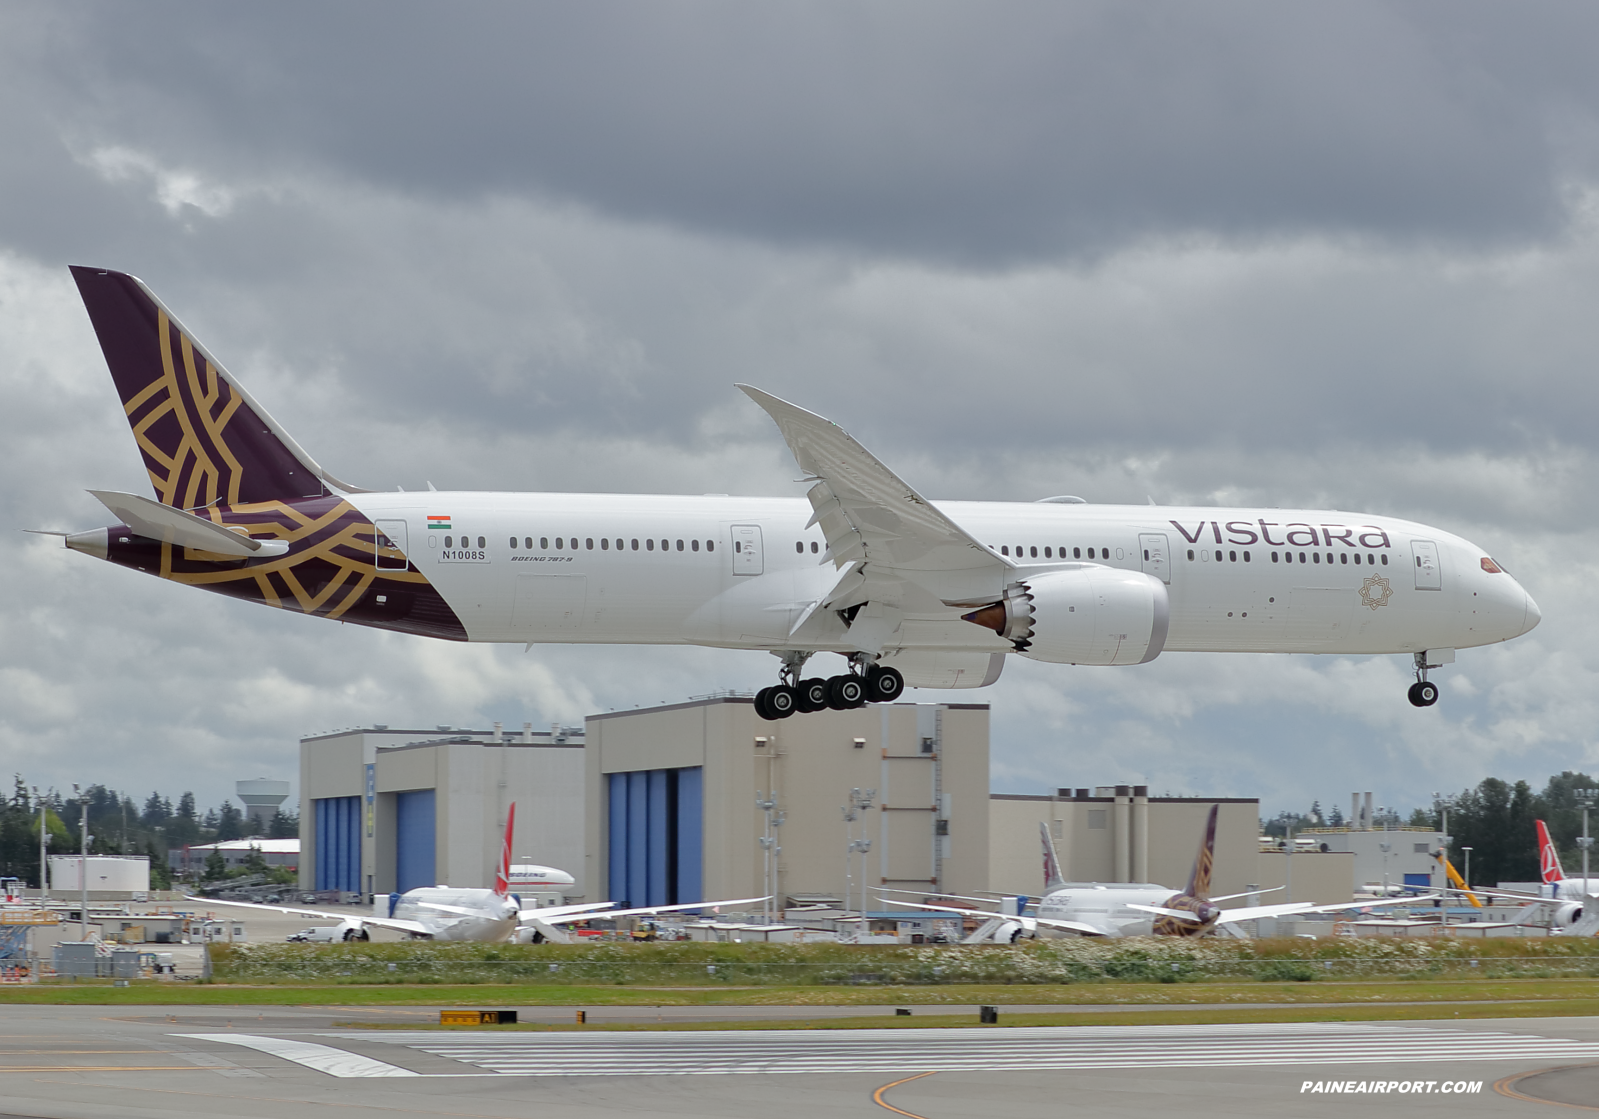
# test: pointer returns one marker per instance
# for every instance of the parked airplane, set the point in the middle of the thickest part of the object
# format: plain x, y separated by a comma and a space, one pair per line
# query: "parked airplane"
443, 913
909, 592
1570, 905
1130, 908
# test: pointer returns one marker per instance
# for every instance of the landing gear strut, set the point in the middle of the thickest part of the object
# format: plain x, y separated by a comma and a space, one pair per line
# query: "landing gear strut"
867, 682
1423, 693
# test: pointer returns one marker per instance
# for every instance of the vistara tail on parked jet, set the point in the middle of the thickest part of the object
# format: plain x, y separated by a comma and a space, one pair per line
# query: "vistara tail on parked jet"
906, 590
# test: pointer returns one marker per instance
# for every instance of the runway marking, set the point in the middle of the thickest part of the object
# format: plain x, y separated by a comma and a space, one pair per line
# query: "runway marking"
932, 1050
322, 1058
1507, 1087
877, 1096
102, 1068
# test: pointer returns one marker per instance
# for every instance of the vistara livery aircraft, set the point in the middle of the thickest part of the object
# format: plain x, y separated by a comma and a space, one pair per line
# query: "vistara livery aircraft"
446, 913
1129, 908
908, 591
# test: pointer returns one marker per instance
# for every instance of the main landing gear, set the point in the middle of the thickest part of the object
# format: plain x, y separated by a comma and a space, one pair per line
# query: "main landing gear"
866, 682
1423, 693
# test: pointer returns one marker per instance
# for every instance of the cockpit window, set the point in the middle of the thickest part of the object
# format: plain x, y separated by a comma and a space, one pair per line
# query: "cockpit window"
1491, 567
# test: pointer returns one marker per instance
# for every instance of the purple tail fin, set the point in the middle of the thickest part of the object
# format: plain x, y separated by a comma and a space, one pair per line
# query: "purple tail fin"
1199, 880
203, 438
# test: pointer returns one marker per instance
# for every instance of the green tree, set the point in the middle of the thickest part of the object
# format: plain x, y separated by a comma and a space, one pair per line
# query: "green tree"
216, 867
230, 822
283, 826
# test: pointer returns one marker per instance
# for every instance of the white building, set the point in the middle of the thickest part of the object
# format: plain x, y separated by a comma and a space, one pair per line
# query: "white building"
109, 875
235, 853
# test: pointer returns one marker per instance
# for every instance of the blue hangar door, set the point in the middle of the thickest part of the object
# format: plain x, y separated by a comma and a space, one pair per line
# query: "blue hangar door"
655, 836
415, 825
338, 843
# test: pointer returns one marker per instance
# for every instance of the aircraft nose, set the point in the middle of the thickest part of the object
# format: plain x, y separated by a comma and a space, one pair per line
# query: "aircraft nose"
1534, 615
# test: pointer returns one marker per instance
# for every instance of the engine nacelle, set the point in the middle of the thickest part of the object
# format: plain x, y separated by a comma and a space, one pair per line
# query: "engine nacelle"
1568, 915
1086, 615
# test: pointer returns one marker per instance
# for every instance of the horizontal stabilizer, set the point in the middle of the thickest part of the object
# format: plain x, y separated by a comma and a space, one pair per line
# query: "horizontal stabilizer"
174, 526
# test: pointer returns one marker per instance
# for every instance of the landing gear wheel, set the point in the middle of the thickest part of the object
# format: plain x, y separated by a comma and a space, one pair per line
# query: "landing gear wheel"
883, 684
356, 934
782, 701
846, 692
1423, 693
812, 695
761, 708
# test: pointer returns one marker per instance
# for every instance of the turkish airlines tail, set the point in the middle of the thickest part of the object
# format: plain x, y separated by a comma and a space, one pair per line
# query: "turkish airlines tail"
1548, 857
1052, 876
203, 438
502, 876
1199, 880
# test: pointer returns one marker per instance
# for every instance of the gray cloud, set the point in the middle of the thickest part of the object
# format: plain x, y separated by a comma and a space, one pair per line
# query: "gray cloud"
1289, 256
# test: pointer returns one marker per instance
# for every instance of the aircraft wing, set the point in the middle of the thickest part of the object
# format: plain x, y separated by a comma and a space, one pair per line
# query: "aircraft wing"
174, 526
886, 533
1028, 923
590, 909
325, 915
1180, 914
569, 918
1251, 912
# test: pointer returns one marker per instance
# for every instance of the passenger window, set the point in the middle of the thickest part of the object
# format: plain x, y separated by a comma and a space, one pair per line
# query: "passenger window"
544, 543
619, 544
527, 542
710, 546
666, 545
738, 547
559, 542
1246, 557
799, 546
1090, 553
1316, 556
1357, 559
1232, 557
1004, 549
1329, 557
513, 542
814, 548
449, 541
680, 545
1343, 557
1190, 553
1033, 551
1274, 557
696, 544
482, 543
649, 545
1301, 557
589, 544
635, 545
605, 544
1047, 553
1385, 559
1077, 553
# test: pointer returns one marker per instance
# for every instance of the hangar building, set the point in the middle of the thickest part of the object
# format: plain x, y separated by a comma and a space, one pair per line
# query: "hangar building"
387, 809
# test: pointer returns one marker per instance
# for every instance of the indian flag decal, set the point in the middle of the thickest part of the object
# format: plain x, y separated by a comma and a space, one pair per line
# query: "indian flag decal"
442, 523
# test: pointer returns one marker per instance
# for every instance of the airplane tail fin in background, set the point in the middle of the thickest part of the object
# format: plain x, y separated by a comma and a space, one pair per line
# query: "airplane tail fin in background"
203, 438
1548, 857
502, 875
1052, 876
1199, 880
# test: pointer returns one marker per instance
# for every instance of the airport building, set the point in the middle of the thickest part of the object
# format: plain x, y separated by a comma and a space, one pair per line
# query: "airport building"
387, 809
235, 853
706, 800
1119, 833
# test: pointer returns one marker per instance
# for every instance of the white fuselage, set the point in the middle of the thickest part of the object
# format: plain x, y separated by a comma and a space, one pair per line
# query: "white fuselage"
646, 569
492, 917
1106, 907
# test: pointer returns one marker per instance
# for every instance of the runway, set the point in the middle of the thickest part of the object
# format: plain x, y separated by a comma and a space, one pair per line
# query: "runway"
78, 1062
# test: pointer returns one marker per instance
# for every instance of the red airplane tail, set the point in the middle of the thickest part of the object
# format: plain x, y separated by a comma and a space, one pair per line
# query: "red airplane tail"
1548, 857
502, 876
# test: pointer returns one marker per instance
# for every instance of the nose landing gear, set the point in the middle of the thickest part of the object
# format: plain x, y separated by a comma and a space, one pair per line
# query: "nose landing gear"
867, 683
1423, 693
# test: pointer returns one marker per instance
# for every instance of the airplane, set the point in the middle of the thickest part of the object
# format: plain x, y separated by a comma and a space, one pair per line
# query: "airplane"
908, 591
1570, 904
443, 913
1122, 909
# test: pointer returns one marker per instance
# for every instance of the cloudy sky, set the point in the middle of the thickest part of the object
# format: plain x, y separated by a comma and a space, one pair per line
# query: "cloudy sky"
1339, 255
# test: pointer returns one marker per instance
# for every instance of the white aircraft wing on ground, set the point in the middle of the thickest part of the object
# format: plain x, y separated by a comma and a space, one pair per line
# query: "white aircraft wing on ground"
1029, 923
547, 922
398, 925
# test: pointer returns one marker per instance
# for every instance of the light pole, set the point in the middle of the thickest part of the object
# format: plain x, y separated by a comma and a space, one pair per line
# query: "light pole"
44, 840
1467, 850
83, 860
1585, 841
859, 801
1444, 840
767, 802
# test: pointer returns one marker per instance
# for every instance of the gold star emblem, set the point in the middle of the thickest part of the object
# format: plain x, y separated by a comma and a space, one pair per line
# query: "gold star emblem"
1375, 592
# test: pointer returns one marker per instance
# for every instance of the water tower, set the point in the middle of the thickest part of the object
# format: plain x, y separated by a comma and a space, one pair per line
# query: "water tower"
261, 799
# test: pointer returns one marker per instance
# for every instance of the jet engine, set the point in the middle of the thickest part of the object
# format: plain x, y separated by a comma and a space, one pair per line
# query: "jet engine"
1568, 915
1086, 615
